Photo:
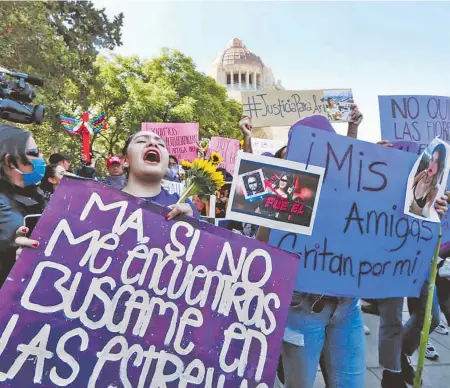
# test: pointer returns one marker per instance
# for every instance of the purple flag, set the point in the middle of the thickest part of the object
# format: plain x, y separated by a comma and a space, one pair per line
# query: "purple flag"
115, 296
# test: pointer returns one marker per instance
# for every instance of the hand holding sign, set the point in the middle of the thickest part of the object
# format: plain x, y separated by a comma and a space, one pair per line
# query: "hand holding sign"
118, 296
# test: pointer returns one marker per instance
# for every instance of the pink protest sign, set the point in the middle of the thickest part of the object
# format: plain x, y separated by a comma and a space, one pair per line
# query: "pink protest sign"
181, 138
227, 148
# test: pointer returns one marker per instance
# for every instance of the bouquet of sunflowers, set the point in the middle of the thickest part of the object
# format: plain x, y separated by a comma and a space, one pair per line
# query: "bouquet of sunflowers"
202, 177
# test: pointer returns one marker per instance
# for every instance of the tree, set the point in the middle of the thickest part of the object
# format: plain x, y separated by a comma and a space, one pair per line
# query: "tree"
58, 41
167, 88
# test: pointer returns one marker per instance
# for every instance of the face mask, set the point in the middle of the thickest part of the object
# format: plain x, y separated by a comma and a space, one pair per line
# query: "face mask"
34, 177
172, 173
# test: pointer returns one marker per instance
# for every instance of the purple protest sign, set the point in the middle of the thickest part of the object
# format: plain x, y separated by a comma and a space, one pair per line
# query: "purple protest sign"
115, 296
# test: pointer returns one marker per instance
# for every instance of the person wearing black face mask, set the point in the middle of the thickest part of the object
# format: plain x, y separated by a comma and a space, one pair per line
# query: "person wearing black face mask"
21, 169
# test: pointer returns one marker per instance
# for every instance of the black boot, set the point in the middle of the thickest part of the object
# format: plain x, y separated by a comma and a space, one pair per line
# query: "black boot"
408, 372
370, 309
392, 380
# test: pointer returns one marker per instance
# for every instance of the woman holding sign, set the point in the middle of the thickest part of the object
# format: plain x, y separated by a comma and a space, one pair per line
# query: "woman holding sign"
145, 155
321, 324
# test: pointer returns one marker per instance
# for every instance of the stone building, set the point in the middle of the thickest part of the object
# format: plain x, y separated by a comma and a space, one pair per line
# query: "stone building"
239, 69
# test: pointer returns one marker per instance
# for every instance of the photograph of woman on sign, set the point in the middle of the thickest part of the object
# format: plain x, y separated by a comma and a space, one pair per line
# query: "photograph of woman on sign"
222, 201
281, 193
283, 187
428, 182
202, 205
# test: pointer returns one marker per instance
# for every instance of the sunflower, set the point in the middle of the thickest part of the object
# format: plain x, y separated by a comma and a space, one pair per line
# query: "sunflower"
218, 178
186, 165
215, 158
202, 178
241, 144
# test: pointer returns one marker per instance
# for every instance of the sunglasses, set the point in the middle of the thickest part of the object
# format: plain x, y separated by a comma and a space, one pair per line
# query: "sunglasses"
283, 180
33, 152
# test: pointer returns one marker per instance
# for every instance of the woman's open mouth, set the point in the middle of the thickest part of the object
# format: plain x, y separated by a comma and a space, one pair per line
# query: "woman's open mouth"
152, 156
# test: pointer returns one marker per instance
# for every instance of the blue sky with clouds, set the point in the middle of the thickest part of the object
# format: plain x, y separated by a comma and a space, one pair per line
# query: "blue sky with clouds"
372, 47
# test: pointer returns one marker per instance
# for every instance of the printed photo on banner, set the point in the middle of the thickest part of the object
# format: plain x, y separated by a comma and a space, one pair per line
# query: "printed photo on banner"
253, 182
244, 228
222, 201
339, 104
205, 207
427, 181
275, 193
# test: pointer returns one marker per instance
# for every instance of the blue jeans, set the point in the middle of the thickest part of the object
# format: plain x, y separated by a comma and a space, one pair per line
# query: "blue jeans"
338, 330
391, 333
413, 328
394, 338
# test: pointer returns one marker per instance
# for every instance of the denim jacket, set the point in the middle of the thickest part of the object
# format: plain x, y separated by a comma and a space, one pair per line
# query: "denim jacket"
15, 204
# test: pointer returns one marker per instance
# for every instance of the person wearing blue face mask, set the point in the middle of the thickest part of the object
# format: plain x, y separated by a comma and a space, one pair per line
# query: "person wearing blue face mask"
21, 169
173, 172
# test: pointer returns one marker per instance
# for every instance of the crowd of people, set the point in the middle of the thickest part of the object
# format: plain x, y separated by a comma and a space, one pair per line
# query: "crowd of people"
321, 330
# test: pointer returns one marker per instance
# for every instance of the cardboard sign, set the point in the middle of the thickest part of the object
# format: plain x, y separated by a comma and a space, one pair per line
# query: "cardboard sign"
410, 123
275, 193
173, 187
227, 148
261, 146
116, 296
416, 119
285, 107
181, 138
363, 245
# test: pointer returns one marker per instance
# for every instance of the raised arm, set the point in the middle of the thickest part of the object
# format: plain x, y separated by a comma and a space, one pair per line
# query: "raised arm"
356, 118
245, 124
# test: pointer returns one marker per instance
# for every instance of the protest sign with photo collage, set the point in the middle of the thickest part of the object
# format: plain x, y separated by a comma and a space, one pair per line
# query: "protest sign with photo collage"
362, 244
275, 193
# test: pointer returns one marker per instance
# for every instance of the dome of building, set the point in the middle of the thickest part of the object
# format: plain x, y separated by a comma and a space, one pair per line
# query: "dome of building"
237, 54
239, 69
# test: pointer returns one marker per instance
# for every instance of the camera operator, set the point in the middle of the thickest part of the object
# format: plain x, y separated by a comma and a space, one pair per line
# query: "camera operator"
21, 169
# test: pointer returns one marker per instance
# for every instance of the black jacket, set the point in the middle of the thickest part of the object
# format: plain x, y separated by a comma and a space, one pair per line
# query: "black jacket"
15, 204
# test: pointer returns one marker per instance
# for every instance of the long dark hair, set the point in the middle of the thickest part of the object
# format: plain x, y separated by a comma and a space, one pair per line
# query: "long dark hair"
50, 172
290, 182
280, 152
13, 141
440, 149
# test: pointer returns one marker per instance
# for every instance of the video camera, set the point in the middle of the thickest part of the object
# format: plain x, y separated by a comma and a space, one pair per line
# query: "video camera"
16, 96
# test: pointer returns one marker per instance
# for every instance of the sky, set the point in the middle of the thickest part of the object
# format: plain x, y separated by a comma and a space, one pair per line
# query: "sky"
374, 48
